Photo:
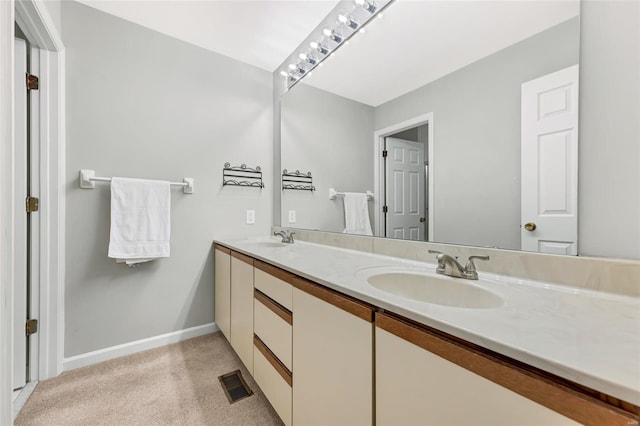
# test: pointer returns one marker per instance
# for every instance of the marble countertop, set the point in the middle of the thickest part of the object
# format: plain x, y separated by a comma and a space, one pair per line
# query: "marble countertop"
588, 337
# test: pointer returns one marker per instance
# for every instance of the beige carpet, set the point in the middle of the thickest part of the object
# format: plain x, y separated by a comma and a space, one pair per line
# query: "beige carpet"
173, 385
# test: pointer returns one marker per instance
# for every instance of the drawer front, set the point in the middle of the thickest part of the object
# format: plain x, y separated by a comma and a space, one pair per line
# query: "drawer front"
274, 387
275, 288
274, 331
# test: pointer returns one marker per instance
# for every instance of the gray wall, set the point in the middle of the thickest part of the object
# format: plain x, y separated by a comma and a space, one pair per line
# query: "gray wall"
332, 137
141, 104
54, 8
477, 136
609, 191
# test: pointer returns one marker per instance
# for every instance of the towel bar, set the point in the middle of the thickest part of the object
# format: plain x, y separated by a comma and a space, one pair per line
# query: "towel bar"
333, 194
88, 180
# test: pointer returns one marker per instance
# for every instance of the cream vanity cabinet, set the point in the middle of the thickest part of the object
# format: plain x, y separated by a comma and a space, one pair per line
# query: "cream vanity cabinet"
314, 351
332, 358
426, 377
234, 301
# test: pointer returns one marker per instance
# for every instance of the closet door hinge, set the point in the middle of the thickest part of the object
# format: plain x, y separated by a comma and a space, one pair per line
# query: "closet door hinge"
32, 82
31, 327
385, 153
385, 209
32, 204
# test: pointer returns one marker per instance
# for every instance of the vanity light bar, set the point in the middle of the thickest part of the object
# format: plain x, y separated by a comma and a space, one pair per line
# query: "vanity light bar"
344, 28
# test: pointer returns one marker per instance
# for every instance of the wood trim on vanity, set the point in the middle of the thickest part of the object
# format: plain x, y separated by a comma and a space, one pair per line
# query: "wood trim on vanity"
242, 257
273, 306
518, 377
275, 271
273, 360
339, 300
222, 248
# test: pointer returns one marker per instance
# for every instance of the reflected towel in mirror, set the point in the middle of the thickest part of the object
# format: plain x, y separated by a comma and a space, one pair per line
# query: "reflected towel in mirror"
356, 214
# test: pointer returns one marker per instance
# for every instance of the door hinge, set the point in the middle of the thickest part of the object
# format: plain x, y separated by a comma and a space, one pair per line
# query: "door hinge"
385, 209
32, 82
31, 327
33, 204
385, 153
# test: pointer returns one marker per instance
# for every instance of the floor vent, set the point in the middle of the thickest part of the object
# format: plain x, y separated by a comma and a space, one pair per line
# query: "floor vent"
234, 386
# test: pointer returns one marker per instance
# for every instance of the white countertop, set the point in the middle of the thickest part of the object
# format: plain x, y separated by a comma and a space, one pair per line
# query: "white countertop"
588, 337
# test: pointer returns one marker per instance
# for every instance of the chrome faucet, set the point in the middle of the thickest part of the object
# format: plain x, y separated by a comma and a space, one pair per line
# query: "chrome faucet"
448, 265
287, 235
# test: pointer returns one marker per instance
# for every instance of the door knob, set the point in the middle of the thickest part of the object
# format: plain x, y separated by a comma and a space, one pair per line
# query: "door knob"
530, 226
422, 219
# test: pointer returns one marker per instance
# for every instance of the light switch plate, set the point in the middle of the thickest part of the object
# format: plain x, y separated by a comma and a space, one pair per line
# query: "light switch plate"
251, 217
292, 216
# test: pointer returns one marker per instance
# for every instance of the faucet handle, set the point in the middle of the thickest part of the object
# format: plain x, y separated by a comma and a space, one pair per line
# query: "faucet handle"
470, 267
434, 251
291, 236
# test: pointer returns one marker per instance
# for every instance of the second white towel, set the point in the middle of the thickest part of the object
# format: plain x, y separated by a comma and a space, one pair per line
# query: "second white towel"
140, 220
356, 214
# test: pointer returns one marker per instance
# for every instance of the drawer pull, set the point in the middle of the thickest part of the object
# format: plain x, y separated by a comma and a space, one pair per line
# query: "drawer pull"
273, 360
274, 306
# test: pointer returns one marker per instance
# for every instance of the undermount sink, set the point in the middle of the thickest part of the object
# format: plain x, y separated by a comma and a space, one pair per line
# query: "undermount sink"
439, 290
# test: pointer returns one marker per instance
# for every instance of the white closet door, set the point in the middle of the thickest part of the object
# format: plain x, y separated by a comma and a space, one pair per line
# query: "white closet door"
550, 163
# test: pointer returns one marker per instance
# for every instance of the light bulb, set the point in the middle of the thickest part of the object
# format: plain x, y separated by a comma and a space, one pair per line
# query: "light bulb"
349, 22
333, 36
284, 73
314, 44
292, 67
303, 56
369, 6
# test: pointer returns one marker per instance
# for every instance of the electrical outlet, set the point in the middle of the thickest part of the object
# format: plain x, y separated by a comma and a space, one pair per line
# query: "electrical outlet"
292, 216
251, 217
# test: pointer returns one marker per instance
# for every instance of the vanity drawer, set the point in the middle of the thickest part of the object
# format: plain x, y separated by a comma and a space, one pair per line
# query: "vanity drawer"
274, 380
274, 283
272, 324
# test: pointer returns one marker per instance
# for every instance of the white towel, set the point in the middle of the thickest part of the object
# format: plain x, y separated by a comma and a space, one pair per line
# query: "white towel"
356, 214
140, 220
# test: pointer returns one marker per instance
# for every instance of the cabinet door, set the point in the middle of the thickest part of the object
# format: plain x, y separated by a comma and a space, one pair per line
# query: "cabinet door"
242, 308
222, 297
332, 363
415, 386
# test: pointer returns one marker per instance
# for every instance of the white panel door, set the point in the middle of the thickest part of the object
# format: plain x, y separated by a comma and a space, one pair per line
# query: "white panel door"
20, 219
405, 189
549, 210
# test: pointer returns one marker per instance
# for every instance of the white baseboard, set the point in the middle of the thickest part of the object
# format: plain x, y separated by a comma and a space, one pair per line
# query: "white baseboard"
112, 352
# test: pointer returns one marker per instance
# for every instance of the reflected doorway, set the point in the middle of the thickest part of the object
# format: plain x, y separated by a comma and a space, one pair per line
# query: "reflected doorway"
404, 180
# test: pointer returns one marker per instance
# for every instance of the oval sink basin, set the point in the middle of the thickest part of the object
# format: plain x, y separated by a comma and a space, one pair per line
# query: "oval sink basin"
270, 244
435, 289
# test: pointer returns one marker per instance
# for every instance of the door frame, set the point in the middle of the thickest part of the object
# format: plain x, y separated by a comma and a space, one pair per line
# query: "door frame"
379, 172
48, 304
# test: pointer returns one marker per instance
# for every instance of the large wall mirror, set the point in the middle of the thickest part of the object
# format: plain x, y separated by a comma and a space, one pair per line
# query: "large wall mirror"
460, 117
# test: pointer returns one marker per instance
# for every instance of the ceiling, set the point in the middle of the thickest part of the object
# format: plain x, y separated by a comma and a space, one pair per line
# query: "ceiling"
415, 42
419, 41
261, 33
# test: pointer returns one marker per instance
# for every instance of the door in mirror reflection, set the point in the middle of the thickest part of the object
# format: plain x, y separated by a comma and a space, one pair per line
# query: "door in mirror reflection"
405, 193
549, 163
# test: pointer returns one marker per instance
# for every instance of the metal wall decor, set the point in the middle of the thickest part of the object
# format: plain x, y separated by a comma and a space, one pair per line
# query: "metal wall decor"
297, 180
242, 176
